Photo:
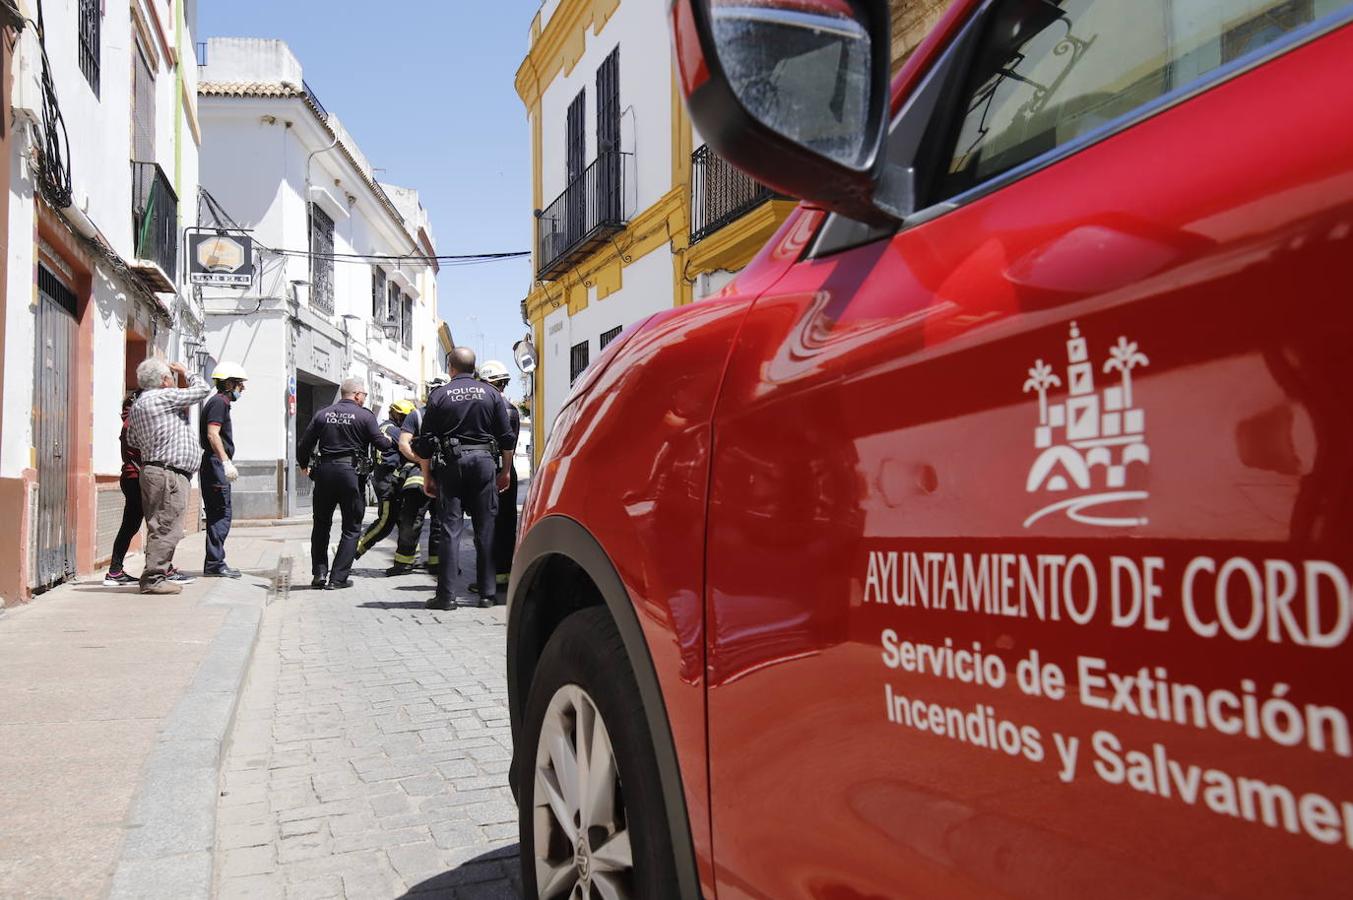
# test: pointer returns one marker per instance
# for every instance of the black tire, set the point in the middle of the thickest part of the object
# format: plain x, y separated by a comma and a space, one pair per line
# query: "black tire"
587, 652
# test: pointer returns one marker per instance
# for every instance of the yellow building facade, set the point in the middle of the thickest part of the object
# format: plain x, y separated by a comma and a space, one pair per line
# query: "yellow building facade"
632, 213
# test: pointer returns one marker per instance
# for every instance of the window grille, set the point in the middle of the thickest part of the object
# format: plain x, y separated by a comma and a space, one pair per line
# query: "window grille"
608, 336
377, 295
321, 260
577, 361
89, 42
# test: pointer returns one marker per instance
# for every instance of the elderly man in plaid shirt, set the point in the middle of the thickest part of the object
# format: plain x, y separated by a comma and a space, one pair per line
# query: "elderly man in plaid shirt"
158, 426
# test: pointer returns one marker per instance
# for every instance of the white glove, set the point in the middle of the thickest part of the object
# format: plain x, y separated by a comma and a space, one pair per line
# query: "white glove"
231, 473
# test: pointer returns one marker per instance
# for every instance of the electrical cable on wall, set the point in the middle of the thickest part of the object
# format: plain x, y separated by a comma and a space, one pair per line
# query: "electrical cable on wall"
54, 176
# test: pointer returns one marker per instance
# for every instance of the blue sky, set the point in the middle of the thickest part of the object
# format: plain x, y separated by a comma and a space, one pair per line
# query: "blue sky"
426, 87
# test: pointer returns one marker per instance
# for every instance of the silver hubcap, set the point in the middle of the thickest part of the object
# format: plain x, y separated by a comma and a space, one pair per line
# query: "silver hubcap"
582, 841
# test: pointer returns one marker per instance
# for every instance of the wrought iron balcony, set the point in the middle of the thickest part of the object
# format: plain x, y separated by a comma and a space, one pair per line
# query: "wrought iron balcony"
155, 228
720, 193
585, 215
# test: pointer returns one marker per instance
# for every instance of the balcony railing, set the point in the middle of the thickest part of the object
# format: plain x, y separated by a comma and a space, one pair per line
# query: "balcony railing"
589, 211
155, 227
720, 193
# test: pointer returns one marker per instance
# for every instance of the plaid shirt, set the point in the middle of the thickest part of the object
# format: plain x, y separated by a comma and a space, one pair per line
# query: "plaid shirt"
159, 428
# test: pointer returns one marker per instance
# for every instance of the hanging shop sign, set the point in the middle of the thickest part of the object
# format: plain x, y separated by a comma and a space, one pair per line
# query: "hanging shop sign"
220, 260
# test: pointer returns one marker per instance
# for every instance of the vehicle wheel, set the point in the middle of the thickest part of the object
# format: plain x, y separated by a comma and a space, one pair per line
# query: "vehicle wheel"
593, 822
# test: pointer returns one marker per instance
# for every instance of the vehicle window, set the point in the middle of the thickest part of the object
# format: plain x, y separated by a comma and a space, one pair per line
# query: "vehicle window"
1048, 71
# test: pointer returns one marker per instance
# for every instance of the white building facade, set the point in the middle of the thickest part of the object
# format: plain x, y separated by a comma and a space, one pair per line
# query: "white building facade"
345, 284
93, 272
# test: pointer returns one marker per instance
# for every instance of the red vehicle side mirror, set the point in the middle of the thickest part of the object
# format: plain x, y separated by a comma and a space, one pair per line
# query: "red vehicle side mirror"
794, 92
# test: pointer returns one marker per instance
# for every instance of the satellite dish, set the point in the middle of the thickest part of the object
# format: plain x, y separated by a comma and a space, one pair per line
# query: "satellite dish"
524, 353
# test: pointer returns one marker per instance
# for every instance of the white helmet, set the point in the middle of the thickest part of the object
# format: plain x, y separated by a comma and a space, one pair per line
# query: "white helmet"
438, 380
225, 370
493, 370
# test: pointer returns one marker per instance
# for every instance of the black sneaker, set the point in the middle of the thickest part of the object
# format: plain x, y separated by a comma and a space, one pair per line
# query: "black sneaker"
338, 585
319, 581
442, 603
119, 579
400, 569
223, 572
176, 576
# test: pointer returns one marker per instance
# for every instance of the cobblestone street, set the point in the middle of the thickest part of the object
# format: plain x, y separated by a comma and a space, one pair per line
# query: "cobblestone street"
369, 754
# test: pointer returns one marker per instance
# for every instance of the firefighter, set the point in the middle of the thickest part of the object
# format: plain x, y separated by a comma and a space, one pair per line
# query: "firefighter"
217, 438
387, 480
415, 503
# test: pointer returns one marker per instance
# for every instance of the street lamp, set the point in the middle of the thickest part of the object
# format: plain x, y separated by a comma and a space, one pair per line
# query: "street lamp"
198, 352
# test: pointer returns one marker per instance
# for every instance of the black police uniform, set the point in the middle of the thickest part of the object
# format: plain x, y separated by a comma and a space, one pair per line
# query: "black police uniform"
505, 523
411, 508
338, 436
215, 485
385, 481
474, 414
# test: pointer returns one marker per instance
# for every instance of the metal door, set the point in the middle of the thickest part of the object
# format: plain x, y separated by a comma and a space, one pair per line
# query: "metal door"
305, 411
54, 549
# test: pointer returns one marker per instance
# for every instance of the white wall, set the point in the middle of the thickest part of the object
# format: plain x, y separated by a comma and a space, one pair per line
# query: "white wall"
554, 365
647, 290
639, 28
259, 418
19, 322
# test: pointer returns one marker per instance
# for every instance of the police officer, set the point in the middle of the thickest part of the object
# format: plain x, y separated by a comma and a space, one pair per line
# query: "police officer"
217, 437
387, 480
505, 523
468, 421
340, 437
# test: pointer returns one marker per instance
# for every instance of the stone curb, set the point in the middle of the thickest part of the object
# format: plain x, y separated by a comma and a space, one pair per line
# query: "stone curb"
171, 827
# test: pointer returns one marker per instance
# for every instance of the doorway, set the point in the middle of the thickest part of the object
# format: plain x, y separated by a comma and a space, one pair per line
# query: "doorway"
55, 336
312, 394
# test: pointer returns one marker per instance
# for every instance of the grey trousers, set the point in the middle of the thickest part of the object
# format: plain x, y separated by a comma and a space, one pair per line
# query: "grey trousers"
164, 497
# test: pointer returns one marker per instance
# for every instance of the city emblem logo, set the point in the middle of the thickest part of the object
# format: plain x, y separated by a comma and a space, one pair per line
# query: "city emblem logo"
1088, 441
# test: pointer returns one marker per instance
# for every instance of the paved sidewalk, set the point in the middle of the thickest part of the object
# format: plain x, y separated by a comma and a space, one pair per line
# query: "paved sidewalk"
370, 750
113, 707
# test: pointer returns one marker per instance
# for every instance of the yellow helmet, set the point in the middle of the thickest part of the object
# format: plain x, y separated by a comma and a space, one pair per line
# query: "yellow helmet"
403, 407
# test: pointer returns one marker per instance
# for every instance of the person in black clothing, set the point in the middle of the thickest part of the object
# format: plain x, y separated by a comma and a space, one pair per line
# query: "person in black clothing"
218, 469
469, 421
415, 502
338, 437
505, 523
388, 479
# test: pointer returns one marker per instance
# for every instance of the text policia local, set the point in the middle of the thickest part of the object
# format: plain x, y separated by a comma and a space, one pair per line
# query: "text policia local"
1296, 603
1305, 603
